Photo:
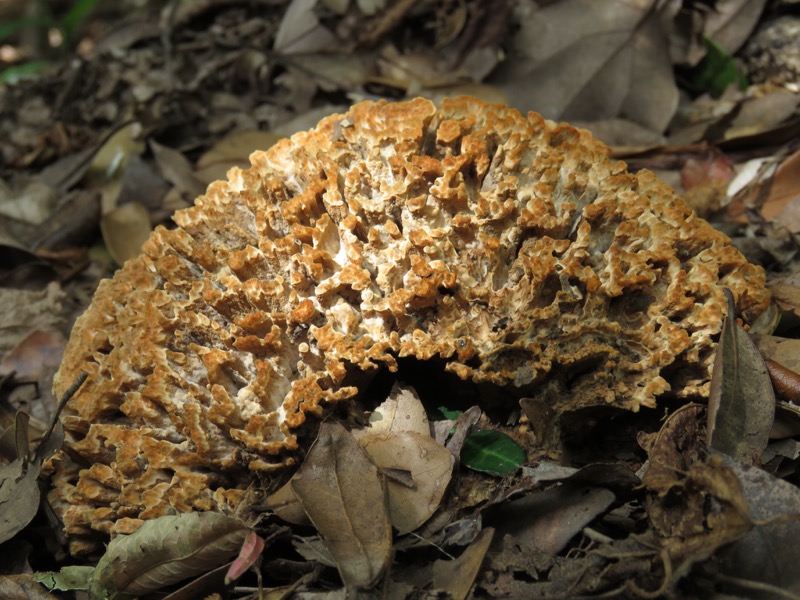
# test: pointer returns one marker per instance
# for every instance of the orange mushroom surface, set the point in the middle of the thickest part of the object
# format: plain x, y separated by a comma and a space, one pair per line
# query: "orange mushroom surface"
509, 249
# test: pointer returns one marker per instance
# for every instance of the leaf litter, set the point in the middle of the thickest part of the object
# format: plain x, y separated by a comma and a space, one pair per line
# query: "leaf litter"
164, 102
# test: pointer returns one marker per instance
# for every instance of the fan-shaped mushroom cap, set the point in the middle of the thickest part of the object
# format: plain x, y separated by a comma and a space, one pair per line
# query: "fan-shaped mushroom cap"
511, 248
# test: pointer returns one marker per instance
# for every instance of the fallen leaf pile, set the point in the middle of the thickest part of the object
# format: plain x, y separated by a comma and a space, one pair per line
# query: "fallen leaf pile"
113, 117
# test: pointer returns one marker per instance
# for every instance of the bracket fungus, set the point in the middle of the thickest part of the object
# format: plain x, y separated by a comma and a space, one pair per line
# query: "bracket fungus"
509, 249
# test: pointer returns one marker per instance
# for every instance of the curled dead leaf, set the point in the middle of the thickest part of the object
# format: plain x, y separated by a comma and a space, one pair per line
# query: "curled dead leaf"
430, 465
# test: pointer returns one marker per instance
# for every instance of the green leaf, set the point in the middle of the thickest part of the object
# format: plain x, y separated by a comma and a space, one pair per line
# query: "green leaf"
716, 71
76, 15
492, 452
26, 70
164, 551
11, 27
451, 415
68, 578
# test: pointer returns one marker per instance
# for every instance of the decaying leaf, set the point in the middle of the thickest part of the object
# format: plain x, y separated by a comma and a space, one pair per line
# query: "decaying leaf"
285, 504
344, 495
732, 21
22, 587
550, 518
430, 465
74, 577
19, 488
741, 405
125, 229
401, 411
764, 562
300, 31
454, 433
166, 550
786, 293
457, 576
177, 169
697, 503
582, 60
232, 151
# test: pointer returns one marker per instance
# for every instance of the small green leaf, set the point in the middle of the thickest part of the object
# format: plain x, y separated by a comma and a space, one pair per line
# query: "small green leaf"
492, 452
68, 578
76, 15
716, 71
451, 415
26, 70
11, 27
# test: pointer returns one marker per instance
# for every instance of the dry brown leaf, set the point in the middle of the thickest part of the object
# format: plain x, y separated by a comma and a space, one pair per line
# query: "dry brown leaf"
782, 204
176, 169
457, 576
741, 404
762, 114
22, 312
785, 351
285, 504
401, 411
583, 60
124, 230
22, 587
549, 519
232, 151
35, 355
430, 465
345, 497
681, 478
769, 553
300, 31
786, 292
732, 21
33, 204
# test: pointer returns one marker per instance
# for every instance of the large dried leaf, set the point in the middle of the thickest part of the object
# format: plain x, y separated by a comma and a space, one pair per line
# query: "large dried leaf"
741, 405
768, 554
19, 489
166, 550
430, 465
456, 576
345, 497
549, 519
584, 60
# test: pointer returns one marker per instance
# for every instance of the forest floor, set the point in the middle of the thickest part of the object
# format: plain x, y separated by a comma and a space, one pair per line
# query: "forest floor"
115, 115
